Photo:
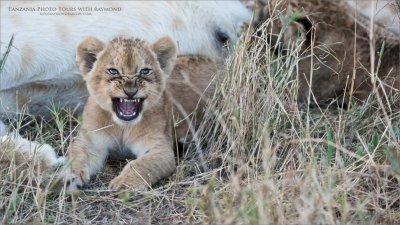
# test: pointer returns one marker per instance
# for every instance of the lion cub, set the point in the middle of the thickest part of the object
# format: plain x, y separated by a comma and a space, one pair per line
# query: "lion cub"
132, 87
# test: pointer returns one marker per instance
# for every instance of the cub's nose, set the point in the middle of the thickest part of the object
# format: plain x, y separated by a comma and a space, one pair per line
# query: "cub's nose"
130, 89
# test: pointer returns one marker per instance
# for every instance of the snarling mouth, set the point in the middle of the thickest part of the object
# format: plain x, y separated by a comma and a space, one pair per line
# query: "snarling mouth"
127, 109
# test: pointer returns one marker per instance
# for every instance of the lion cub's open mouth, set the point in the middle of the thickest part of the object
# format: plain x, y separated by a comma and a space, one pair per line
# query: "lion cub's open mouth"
127, 109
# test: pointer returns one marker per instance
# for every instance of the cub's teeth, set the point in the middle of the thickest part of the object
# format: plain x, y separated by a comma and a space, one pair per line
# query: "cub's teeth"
126, 100
124, 115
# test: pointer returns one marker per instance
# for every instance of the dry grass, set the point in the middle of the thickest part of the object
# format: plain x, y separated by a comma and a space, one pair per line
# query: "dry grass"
267, 160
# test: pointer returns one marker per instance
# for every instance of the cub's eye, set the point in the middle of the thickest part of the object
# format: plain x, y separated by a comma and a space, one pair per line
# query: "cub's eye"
144, 72
113, 71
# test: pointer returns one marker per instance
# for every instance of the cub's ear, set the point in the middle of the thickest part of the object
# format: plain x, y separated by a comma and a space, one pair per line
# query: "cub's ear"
166, 52
86, 53
301, 29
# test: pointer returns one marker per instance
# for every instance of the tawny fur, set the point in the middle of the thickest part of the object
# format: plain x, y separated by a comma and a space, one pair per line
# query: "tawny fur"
150, 137
339, 46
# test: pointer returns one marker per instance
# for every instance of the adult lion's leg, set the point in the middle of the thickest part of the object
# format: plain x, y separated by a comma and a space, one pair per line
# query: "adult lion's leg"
38, 98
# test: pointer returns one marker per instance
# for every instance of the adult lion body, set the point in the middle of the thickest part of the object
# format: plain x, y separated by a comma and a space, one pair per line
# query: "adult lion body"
40, 68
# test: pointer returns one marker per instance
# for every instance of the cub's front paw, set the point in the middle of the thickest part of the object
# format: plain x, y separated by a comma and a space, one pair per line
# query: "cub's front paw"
126, 182
73, 180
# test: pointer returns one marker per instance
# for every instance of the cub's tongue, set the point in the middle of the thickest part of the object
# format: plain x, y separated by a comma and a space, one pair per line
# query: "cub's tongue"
126, 106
